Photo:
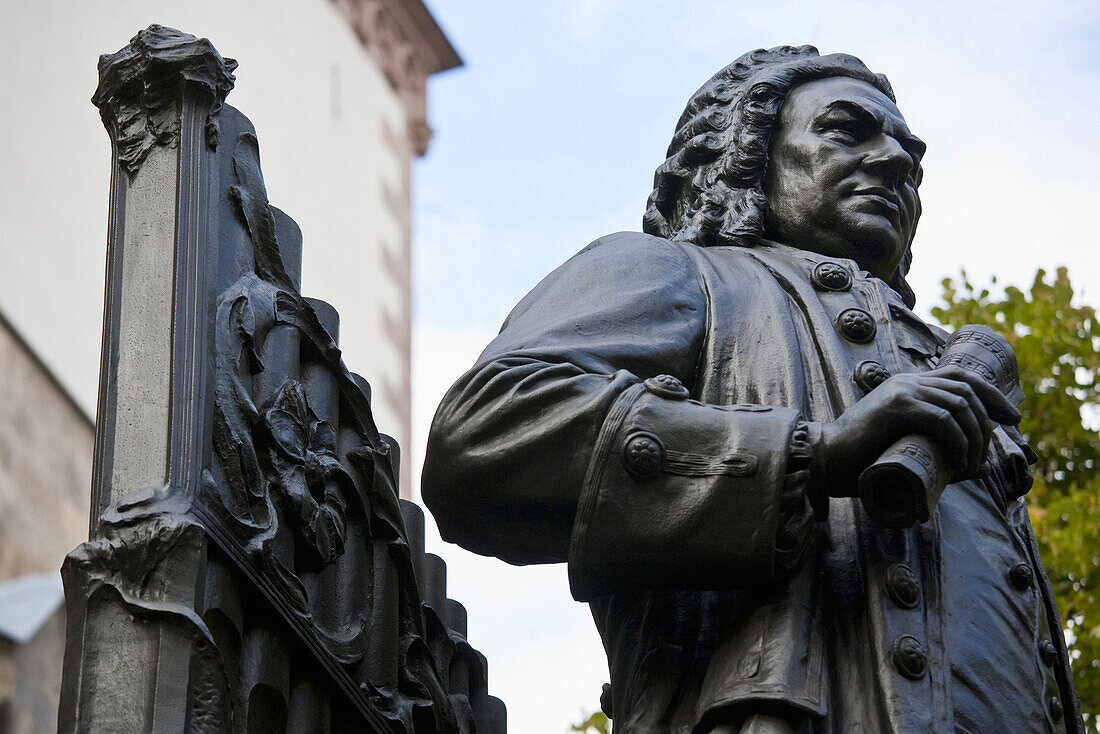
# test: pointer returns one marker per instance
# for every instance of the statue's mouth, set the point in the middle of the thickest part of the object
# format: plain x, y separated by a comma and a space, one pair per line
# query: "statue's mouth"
887, 198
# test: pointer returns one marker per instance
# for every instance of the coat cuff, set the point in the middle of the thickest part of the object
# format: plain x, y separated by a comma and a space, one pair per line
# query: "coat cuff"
681, 494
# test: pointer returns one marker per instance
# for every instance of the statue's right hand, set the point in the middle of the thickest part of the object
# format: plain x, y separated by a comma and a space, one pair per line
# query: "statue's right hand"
952, 407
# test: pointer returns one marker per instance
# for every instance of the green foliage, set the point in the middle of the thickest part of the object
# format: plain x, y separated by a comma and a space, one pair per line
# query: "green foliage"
1057, 345
597, 722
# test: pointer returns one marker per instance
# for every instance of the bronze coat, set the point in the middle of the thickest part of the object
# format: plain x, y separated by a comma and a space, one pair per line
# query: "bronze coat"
545, 451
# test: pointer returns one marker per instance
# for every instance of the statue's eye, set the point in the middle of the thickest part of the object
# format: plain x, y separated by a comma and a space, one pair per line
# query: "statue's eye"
848, 131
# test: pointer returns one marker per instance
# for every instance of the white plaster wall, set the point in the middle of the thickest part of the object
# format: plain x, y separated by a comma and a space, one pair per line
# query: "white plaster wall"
320, 107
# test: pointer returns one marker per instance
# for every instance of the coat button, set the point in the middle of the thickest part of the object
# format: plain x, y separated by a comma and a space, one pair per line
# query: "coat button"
667, 386
909, 657
643, 455
869, 374
1048, 653
902, 586
1055, 708
829, 276
1020, 576
856, 325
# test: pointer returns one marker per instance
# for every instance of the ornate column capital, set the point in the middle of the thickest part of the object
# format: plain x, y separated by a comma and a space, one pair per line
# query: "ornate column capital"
139, 90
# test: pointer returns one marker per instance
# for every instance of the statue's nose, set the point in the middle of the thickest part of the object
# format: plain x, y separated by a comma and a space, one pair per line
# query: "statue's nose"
889, 160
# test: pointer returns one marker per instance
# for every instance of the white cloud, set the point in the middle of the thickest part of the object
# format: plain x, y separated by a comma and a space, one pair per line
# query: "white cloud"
585, 20
988, 212
450, 250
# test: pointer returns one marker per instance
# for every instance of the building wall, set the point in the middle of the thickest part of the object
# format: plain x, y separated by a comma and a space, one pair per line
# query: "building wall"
36, 678
45, 465
333, 146
45, 474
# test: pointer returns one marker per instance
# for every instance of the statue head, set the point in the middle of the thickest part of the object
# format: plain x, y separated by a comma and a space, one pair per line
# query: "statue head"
720, 172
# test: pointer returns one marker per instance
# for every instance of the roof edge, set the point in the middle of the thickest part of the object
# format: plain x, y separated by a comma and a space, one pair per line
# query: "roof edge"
433, 40
51, 377
406, 43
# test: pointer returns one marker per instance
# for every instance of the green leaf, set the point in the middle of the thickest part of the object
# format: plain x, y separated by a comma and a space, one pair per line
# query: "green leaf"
597, 722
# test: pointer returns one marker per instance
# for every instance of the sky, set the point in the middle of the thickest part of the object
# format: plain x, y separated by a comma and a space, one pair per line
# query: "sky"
548, 136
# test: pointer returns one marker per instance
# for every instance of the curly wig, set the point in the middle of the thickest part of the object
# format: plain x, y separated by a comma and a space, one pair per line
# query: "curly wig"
710, 189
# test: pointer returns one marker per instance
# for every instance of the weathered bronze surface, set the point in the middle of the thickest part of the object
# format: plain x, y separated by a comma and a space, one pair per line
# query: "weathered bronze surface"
684, 416
250, 567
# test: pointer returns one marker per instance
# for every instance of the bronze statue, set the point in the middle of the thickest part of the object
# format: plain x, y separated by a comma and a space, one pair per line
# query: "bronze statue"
689, 416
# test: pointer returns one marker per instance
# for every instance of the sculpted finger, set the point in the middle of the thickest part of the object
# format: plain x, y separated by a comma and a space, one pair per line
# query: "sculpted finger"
940, 426
996, 404
977, 407
964, 418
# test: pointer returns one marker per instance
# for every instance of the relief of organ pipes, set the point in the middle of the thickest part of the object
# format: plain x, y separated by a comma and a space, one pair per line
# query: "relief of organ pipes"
272, 581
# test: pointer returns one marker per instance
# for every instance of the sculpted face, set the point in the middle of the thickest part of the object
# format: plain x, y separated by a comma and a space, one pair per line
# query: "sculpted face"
843, 173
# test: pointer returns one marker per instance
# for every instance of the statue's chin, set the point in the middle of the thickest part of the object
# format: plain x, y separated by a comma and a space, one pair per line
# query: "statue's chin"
876, 244
871, 238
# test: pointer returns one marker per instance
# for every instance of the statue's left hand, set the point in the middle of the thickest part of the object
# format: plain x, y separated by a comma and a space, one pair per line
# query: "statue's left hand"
951, 406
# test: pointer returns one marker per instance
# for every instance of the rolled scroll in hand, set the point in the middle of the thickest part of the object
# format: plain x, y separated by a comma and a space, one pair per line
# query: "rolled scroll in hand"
903, 486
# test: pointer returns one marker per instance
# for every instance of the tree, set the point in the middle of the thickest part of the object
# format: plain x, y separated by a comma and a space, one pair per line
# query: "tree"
597, 723
1057, 347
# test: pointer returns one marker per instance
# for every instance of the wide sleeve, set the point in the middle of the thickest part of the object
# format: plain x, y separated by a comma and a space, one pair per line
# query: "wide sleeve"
575, 438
